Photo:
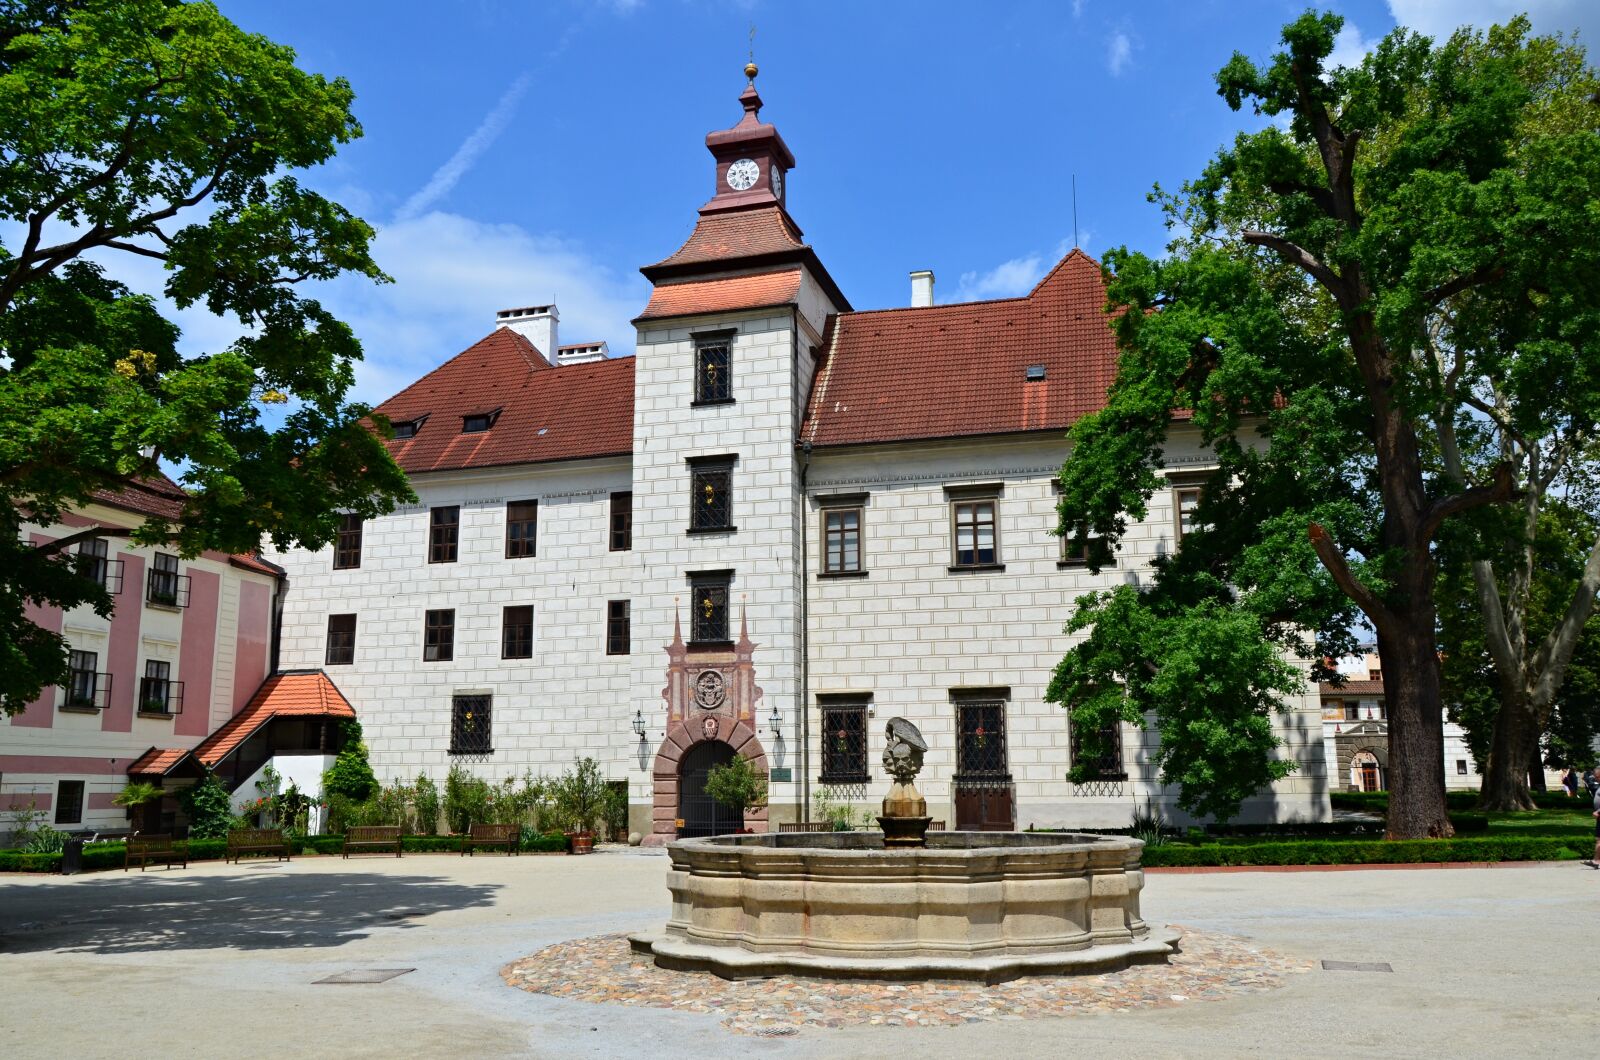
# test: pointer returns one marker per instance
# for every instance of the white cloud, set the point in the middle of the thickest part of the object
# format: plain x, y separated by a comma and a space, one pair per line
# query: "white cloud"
1077, 8
1349, 47
1005, 280
1439, 18
1119, 53
467, 155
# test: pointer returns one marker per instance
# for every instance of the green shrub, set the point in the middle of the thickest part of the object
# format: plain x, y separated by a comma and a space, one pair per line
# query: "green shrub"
737, 784
21, 861
425, 796
209, 807
1362, 852
546, 842
351, 775
467, 799
578, 795
45, 840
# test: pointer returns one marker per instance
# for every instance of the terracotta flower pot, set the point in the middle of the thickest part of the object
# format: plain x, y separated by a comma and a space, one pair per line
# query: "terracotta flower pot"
580, 842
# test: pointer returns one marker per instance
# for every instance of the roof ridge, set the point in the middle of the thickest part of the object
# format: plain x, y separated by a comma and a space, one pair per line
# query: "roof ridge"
1074, 252
517, 340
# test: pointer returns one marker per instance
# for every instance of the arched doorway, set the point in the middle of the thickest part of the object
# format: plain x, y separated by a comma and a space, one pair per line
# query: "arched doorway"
700, 813
1365, 773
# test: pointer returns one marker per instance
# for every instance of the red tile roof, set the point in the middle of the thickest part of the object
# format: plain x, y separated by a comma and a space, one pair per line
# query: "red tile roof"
736, 234
157, 762
545, 413
960, 370
302, 693
257, 564
717, 296
155, 495
1352, 688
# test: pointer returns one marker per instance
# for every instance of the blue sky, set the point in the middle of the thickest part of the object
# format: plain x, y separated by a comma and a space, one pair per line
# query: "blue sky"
519, 153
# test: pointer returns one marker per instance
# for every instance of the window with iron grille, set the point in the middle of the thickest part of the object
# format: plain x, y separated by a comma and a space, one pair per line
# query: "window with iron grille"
981, 739
711, 495
619, 627
158, 693
341, 640
444, 530
164, 586
347, 544
844, 743
470, 732
69, 802
83, 682
522, 529
713, 378
1103, 763
516, 632
976, 539
841, 540
621, 521
708, 619
439, 635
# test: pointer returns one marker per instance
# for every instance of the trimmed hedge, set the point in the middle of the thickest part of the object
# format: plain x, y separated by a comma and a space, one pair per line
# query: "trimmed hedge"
1362, 852
17, 861
1466, 801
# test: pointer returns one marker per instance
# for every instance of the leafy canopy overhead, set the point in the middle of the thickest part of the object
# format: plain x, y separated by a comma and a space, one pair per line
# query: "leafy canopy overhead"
161, 130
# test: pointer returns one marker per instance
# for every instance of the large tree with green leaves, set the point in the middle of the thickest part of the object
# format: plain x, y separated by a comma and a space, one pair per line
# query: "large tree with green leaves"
1296, 326
160, 130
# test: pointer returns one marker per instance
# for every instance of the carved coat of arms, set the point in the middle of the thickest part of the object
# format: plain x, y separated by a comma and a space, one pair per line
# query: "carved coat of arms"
710, 689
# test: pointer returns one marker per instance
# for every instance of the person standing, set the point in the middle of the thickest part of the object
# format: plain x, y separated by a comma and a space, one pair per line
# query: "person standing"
1594, 789
1569, 780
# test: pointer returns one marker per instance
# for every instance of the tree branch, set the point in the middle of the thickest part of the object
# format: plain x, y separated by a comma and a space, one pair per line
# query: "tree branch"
1294, 254
61, 544
134, 248
1333, 560
1463, 282
1503, 487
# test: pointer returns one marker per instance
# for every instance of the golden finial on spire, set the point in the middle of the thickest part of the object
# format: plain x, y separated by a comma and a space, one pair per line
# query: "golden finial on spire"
750, 68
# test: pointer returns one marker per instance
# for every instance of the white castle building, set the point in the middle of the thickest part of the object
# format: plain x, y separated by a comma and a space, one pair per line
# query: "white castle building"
781, 523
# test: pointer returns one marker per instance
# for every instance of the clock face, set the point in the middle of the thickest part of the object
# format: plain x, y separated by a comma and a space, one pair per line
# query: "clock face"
742, 174
776, 180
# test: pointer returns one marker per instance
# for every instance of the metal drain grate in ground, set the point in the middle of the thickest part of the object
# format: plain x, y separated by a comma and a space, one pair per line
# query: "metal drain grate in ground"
363, 975
1356, 966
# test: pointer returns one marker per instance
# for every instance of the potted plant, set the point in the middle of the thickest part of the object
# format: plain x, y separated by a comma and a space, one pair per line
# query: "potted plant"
738, 785
579, 796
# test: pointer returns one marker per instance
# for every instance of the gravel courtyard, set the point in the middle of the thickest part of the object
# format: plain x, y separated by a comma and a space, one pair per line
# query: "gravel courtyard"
225, 959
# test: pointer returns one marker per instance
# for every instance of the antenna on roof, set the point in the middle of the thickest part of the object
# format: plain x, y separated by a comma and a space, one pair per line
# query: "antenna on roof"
1074, 211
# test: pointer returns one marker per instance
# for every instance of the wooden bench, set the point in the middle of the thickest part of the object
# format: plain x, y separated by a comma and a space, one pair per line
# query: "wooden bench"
380, 837
242, 841
936, 826
491, 835
805, 826
148, 848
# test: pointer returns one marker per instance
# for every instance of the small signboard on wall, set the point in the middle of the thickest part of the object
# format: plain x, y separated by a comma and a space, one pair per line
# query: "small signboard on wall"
780, 776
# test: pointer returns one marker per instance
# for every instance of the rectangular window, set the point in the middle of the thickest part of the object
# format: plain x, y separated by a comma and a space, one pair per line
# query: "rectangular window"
444, 531
469, 725
83, 682
621, 522
1461, 767
976, 535
709, 607
69, 802
713, 376
516, 632
711, 494
92, 559
439, 636
476, 423
844, 743
406, 428
522, 529
1107, 764
347, 544
619, 630
841, 540
981, 739
341, 640
164, 586
1352, 710
158, 693
1187, 502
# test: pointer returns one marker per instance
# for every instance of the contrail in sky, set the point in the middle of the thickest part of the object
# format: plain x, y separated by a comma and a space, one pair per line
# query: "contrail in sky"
473, 147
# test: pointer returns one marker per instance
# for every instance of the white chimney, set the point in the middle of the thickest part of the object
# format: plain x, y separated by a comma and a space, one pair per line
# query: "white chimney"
583, 352
922, 288
539, 324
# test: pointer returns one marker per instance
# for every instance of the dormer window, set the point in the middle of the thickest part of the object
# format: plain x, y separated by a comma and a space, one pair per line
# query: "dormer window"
406, 428
1035, 373
478, 422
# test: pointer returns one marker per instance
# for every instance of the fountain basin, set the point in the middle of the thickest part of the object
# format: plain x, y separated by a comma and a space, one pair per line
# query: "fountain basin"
986, 906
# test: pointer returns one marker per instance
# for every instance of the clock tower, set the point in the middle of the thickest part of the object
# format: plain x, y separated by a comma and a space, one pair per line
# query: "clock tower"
752, 159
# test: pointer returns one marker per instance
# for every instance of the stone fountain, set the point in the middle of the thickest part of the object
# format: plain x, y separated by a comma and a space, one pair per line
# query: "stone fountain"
905, 903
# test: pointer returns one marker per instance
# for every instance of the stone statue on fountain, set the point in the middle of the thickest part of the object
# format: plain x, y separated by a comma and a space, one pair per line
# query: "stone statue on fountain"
905, 817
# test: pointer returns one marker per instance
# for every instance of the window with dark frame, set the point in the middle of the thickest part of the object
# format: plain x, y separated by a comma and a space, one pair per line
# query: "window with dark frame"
1108, 764
711, 494
444, 533
477, 422
844, 743
516, 632
341, 640
976, 533
470, 720
1186, 502
713, 376
158, 693
69, 802
407, 428
1352, 710
981, 739
619, 627
841, 540
164, 586
1461, 767
347, 543
92, 559
622, 521
83, 682
522, 529
439, 635
708, 619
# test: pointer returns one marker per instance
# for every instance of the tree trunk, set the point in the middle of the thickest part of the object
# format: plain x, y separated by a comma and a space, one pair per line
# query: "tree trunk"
1514, 744
1416, 728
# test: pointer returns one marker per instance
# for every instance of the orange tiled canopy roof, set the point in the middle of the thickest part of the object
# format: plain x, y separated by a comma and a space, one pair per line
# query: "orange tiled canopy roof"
301, 693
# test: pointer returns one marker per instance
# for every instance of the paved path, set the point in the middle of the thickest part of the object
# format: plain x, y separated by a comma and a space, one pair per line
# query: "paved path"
221, 959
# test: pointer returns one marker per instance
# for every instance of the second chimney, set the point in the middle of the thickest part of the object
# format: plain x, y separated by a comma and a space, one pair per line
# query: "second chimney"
922, 288
539, 324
